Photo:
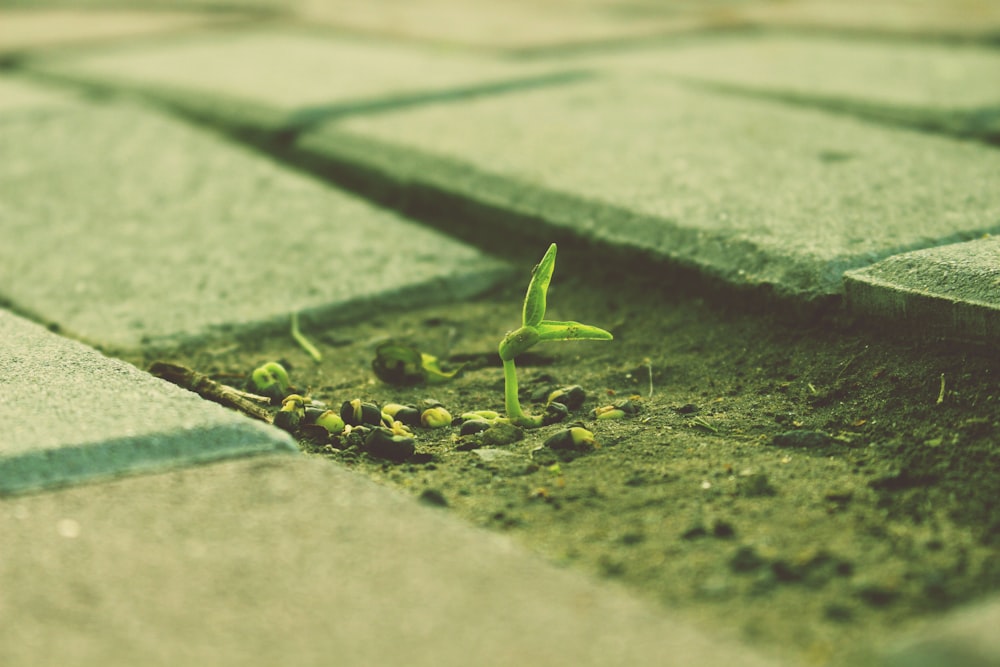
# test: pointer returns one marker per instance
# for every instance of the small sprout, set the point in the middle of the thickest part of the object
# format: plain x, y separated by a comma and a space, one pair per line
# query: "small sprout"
293, 410
383, 444
480, 415
535, 329
617, 410
436, 417
401, 364
572, 397
271, 380
608, 412
399, 428
303, 341
356, 413
331, 421
403, 413
701, 422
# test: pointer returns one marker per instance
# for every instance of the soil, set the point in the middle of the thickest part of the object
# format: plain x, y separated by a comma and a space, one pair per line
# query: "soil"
810, 487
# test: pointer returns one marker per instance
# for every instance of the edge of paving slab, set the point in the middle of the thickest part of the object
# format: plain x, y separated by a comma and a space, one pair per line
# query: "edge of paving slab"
74, 416
388, 174
298, 561
943, 290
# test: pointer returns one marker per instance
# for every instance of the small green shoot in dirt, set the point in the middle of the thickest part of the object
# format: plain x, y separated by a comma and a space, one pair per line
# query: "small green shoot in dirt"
402, 364
303, 341
535, 329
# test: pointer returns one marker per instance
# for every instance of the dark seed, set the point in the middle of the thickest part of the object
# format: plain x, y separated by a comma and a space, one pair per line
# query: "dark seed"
473, 426
555, 412
572, 397
381, 443
407, 415
575, 438
287, 419
356, 413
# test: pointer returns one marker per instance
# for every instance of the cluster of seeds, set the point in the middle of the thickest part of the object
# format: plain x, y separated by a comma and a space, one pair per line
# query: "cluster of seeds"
388, 431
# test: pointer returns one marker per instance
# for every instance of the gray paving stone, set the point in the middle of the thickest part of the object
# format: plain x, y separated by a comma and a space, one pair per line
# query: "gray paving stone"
964, 638
126, 228
275, 77
967, 19
72, 415
35, 27
18, 95
953, 290
293, 561
949, 86
752, 191
518, 25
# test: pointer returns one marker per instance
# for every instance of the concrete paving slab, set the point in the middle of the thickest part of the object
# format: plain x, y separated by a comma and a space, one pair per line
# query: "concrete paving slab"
755, 192
977, 19
952, 290
294, 561
517, 25
72, 415
946, 86
18, 95
273, 78
964, 638
23, 28
131, 228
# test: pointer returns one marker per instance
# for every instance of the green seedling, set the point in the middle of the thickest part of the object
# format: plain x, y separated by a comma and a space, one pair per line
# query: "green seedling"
401, 364
536, 329
270, 380
303, 341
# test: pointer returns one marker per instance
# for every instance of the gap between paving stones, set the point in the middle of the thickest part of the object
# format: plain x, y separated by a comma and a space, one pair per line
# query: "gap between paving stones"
979, 125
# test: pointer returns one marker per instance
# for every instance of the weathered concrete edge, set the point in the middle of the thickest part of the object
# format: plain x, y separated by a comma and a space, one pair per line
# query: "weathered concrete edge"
237, 112
444, 289
979, 123
44, 470
909, 309
739, 262
964, 637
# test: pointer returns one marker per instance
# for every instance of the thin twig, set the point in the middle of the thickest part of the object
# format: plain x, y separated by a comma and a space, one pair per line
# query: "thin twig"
208, 388
940, 398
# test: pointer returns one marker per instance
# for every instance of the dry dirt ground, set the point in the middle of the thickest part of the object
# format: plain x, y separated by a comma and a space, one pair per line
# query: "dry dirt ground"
800, 482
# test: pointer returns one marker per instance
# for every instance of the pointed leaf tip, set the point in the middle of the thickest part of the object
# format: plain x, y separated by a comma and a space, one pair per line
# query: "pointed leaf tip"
534, 299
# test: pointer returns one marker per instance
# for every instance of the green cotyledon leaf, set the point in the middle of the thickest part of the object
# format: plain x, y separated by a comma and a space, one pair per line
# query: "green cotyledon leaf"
534, 299
549, 330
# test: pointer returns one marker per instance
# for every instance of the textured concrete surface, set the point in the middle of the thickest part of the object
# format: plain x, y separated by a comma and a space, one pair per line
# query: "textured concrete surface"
274, 78
952, 290
19, 95
970, 19
755, 192
72, 415
964, 638
135, 229
28, 28
944, 85
289, 561
517, 25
